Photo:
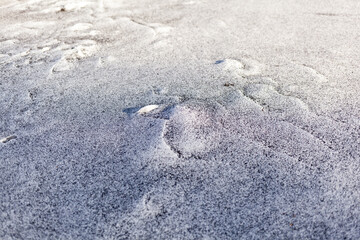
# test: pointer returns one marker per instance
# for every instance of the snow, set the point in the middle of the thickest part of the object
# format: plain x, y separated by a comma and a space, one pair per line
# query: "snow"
179, 119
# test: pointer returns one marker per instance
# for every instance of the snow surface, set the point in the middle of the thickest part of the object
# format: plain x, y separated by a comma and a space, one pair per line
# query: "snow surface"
169, 119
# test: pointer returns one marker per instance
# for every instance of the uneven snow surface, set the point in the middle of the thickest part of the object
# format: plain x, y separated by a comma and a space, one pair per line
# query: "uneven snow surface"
172, 119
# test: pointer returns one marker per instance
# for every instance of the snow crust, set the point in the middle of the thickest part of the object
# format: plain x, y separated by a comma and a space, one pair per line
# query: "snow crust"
179, 119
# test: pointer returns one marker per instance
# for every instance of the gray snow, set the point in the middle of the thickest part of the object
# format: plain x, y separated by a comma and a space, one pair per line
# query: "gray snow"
178, 119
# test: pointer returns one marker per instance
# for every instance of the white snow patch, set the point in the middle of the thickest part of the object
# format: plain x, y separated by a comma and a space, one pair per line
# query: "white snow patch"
147, 109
